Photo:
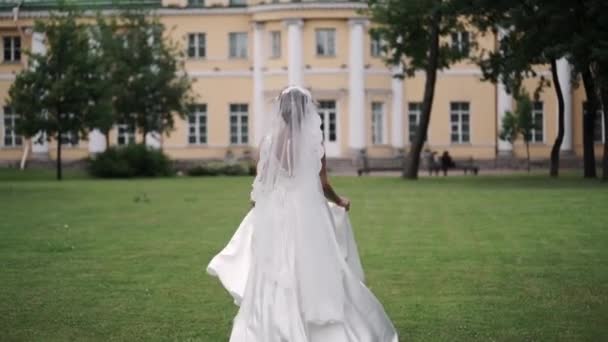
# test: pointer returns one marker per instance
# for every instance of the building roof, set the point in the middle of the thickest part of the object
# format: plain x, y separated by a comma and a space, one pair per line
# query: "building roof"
40, 7
8, 5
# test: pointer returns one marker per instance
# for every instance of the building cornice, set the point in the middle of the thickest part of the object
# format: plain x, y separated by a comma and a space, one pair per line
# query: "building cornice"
25, 14
9, 76
201, 11
302, 6
264, 8
223, 73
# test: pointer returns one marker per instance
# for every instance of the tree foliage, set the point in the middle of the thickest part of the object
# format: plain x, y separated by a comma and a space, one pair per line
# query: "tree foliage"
539, 33
530, 36
405, 27
59, 94
520, 123
121, 70
148, 82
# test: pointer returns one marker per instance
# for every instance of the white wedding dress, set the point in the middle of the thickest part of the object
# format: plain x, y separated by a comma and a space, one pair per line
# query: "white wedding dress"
292, 266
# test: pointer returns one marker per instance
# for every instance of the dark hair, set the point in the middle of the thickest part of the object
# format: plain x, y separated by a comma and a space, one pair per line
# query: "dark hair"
286, 99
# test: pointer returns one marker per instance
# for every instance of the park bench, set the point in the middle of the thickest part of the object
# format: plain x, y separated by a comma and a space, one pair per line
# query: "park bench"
368, 165
431, 166
397, 163
467, 165
434, 165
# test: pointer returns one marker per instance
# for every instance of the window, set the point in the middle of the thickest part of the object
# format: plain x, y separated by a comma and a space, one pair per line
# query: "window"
459, 122
126, 134
326, 42
239, 124
69, 139
537, 121
377, 123
196, 45
461, 42
11, 139
124, 38
197, 125
238, 2
598, 128
156, 34
12, 49
376, 46
196, 3
414, 113
327, 111
275, 44
238, 44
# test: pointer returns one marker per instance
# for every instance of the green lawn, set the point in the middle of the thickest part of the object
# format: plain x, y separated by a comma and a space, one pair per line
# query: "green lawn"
452, 259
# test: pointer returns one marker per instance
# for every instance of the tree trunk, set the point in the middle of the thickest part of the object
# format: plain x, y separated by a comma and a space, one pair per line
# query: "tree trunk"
427, 104
528, 154
605, 157
26, 149
59, 171
604, 99
107, 136
588, 124
145, 133
557, 145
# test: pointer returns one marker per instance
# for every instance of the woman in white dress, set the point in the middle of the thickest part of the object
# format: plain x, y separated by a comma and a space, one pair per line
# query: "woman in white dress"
292, 266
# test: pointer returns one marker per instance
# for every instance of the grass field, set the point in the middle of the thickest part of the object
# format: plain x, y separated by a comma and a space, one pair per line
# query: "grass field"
451, 259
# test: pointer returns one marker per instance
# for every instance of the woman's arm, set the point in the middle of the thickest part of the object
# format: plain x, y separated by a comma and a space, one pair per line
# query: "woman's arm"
328, 190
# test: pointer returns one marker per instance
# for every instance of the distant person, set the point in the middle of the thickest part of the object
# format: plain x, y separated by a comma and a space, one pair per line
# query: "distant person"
446, 162
431, 161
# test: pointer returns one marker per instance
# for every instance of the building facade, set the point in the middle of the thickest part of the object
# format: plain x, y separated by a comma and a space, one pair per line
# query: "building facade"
241, 53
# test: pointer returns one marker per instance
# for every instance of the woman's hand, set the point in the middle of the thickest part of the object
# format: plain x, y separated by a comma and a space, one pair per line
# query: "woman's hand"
344, 203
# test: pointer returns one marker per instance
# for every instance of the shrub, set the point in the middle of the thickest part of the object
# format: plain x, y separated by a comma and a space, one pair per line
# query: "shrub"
130, 161
215, 169
204, 170
234, 170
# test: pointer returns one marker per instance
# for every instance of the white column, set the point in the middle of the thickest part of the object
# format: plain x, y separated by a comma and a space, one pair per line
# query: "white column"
356, 89
294, 51
504, 103
153, 140
258, 82
397, 118
564, 73
38, 47
97, 141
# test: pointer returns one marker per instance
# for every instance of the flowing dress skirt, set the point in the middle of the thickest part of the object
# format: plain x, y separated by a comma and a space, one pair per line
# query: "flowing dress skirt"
272, 307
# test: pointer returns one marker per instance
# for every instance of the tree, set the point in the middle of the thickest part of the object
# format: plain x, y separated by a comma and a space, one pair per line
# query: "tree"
149, 84
535, 34
599, 55
416, 36
57, 96
103, 50
574, 29
520, 123
580, 44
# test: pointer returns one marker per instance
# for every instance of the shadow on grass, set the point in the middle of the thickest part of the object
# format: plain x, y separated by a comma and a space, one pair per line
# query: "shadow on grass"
537, 180
12, 174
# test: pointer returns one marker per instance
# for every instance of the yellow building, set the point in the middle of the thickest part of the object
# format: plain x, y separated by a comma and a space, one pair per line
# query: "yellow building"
241, 53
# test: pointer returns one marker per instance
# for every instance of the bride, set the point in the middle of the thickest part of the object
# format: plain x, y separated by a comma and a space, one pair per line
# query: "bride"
292, 266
